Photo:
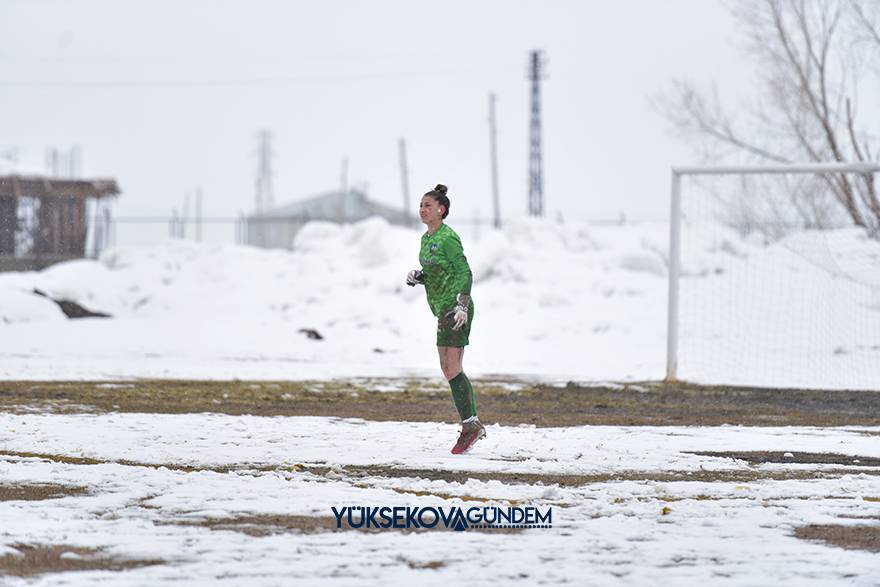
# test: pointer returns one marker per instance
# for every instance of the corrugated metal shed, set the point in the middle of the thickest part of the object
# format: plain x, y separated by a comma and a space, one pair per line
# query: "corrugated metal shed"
277, 228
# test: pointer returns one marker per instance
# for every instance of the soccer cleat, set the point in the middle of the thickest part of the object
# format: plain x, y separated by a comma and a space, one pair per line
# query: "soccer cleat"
471, 432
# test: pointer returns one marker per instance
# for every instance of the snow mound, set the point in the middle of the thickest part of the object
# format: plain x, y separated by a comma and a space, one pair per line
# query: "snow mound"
572, 301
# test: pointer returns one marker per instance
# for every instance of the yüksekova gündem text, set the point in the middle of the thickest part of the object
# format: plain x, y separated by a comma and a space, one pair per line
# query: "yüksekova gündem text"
454, 518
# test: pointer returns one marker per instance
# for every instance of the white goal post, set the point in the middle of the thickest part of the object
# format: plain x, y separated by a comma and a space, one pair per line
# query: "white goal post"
675, 229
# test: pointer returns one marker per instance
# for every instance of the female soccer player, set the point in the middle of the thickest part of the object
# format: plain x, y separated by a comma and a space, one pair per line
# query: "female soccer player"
447, 279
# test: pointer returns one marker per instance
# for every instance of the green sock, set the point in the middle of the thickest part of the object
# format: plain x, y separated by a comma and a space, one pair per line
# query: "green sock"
472, 396
463, 395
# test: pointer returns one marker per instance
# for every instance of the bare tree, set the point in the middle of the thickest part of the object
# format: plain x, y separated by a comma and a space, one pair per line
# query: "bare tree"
867, 21
811, 55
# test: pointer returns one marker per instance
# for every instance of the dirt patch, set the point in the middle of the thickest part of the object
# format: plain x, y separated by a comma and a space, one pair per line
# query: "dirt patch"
353, 473
68, 460
849, 537
807, 458
37, 491
422, 565
262, 525
420, 400
38, 559
269, 524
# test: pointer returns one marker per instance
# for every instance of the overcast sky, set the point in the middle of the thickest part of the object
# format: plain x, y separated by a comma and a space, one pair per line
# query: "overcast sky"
168, 95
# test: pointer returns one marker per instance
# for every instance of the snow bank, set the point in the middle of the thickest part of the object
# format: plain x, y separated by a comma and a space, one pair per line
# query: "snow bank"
558, 301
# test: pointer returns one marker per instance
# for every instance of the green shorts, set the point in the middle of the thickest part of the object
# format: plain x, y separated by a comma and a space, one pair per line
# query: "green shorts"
446, 336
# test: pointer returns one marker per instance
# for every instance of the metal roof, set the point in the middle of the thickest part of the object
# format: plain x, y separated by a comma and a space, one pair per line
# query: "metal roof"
37, 186
333, 205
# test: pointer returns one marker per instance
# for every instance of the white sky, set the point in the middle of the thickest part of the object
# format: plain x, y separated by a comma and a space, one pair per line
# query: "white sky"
135, 85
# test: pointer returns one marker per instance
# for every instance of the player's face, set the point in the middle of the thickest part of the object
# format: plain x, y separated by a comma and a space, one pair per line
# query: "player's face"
430, 210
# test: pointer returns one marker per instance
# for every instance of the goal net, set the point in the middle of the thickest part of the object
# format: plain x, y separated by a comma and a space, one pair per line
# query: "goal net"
772, 281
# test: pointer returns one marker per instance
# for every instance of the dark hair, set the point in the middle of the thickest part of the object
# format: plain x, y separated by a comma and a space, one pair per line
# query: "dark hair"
439, 195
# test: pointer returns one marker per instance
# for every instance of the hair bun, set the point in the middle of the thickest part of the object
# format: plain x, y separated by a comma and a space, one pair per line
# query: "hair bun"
442, 189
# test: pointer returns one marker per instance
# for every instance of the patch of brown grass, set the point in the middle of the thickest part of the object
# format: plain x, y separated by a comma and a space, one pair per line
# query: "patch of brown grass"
261, 525
37, 491
269, 524
36, 559
420, 400
352, 473
69, 460
848, 537
809, 458
723, 476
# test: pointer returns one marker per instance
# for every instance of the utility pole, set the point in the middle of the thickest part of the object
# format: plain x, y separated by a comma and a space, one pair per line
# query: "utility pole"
75, 161
52, 162
493, 157
198, 214
476, 225
97, 232
264, 192
404, 179
184, 218
343, 176
343, 191
64, 163
536, 171
172, 226
109, 229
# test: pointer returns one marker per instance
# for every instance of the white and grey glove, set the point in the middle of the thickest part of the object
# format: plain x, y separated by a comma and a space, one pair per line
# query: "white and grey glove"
460, 313
415, 276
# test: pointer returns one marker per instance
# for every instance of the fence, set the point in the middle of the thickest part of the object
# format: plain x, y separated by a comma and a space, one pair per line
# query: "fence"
265, 232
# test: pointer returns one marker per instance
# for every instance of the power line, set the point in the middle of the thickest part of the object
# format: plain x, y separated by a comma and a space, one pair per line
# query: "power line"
241, 82
68, 59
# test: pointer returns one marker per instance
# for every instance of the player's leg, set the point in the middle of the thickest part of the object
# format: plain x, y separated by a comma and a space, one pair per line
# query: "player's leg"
450, 348
450, 360
462, 389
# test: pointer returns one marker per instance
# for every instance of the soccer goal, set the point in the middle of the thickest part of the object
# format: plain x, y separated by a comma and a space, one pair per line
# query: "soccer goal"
773, 281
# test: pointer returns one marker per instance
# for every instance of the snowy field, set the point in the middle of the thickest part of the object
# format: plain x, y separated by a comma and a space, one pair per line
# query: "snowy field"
554, 302
211, 497
186, 492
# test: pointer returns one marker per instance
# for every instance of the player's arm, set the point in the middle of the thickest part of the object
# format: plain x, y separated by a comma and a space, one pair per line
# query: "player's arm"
457, 267
461, 280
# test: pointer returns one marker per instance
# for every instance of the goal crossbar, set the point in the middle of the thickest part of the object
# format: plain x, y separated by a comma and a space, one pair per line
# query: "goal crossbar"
675, 228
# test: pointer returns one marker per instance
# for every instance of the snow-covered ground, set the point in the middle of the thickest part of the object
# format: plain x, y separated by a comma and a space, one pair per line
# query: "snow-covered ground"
142, 503
631, 505
554, 301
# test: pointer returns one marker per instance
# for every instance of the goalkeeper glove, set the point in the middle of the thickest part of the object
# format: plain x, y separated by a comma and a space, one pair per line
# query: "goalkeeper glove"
460, 313
415, 276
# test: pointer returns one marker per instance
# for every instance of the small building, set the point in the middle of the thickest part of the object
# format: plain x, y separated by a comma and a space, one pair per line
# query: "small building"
44, 220
276, 228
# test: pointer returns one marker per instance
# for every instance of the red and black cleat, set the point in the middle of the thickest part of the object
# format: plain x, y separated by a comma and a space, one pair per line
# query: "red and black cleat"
471, 432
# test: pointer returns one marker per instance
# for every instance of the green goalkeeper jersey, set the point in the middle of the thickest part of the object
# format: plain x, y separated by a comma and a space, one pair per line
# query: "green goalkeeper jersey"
445, 269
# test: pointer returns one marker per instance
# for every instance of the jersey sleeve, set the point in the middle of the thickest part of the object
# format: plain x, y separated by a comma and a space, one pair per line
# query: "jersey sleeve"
460, 276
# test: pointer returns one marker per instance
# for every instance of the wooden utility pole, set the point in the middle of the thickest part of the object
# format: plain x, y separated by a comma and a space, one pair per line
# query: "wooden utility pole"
343, 191
264, 197
184, 218
198, 214
172, 226
493, 157
404, 178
